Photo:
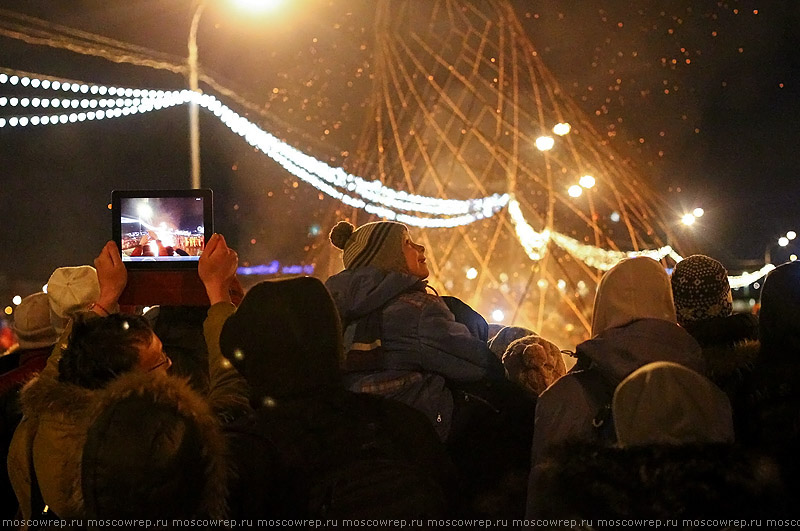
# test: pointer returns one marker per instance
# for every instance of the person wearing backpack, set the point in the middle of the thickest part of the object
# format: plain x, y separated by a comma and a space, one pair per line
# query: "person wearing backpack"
674, 459
311, 448
633, 324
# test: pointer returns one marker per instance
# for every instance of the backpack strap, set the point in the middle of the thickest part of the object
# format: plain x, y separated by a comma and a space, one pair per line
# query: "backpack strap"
601, 394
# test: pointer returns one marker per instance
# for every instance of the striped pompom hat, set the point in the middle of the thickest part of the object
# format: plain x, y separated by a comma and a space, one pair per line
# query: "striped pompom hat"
379, 244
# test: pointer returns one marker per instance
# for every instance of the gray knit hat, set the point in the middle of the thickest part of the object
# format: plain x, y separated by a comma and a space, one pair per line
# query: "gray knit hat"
701, 290
378, 244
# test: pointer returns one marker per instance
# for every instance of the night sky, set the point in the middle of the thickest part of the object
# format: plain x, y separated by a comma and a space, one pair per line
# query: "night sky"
702, 99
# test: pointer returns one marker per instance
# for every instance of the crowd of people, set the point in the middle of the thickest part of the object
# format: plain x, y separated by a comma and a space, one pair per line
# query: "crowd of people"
371, 396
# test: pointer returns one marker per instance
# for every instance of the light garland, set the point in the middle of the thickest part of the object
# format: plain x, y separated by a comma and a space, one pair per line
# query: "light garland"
746, 279
534, 243
372, 196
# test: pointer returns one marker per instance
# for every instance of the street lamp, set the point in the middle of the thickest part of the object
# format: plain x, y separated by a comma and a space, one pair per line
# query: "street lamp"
194, 109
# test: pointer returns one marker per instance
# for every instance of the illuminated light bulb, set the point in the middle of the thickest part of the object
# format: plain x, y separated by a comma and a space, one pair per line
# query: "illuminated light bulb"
3, 78
792, 257
472, 273
615, 217
8, 310
16, 300
75, 87
698, 212
35, 102
783, 241
56, 85
13, 102
93, 89
562, 284
562, 129
45, 120
498, 315
25, 81
791, 235
542, 283
35, 83
24, 102
63, 118
46, 84
13, 121
688, 219
23, 121
84, 89
102, 90
14, 80
73, 118
587, 181
44, 288
575, 191
2, 122
35, 120
545, 143
3, 101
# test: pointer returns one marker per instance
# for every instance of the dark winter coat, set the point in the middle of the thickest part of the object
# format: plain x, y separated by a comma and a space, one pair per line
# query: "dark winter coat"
566, 409
422, 345
584, 481
285, 339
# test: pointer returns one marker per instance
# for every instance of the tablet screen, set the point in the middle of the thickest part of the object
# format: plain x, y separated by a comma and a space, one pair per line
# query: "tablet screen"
161, 228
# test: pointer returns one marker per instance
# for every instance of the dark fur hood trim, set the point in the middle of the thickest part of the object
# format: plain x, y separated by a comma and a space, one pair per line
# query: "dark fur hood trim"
724, 362
70, 403
659, 481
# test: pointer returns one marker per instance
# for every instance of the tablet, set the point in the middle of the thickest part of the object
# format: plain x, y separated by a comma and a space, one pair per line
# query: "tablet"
161, 229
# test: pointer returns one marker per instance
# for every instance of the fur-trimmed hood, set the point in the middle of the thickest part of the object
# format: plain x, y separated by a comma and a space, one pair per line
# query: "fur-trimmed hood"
154, 448
580, 480
78, 433
727, 364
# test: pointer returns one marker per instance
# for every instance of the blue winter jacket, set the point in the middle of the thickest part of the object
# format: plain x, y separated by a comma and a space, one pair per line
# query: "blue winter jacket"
420, 344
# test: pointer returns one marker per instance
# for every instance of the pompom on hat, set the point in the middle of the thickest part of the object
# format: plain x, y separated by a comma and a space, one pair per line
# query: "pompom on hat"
32, 322
378, 244
701, 289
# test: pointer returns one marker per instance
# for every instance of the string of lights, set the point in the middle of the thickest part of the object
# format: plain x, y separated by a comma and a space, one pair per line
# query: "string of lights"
372, 196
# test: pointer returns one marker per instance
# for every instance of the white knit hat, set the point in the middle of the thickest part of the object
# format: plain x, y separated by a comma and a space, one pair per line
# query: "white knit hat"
71, 289
32, 322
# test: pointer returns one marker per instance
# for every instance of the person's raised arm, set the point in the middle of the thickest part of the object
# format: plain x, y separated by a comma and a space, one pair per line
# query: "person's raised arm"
112, 277
227, 393
217, 269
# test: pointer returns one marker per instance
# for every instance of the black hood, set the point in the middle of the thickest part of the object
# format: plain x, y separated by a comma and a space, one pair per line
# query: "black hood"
779, 319
285, 339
